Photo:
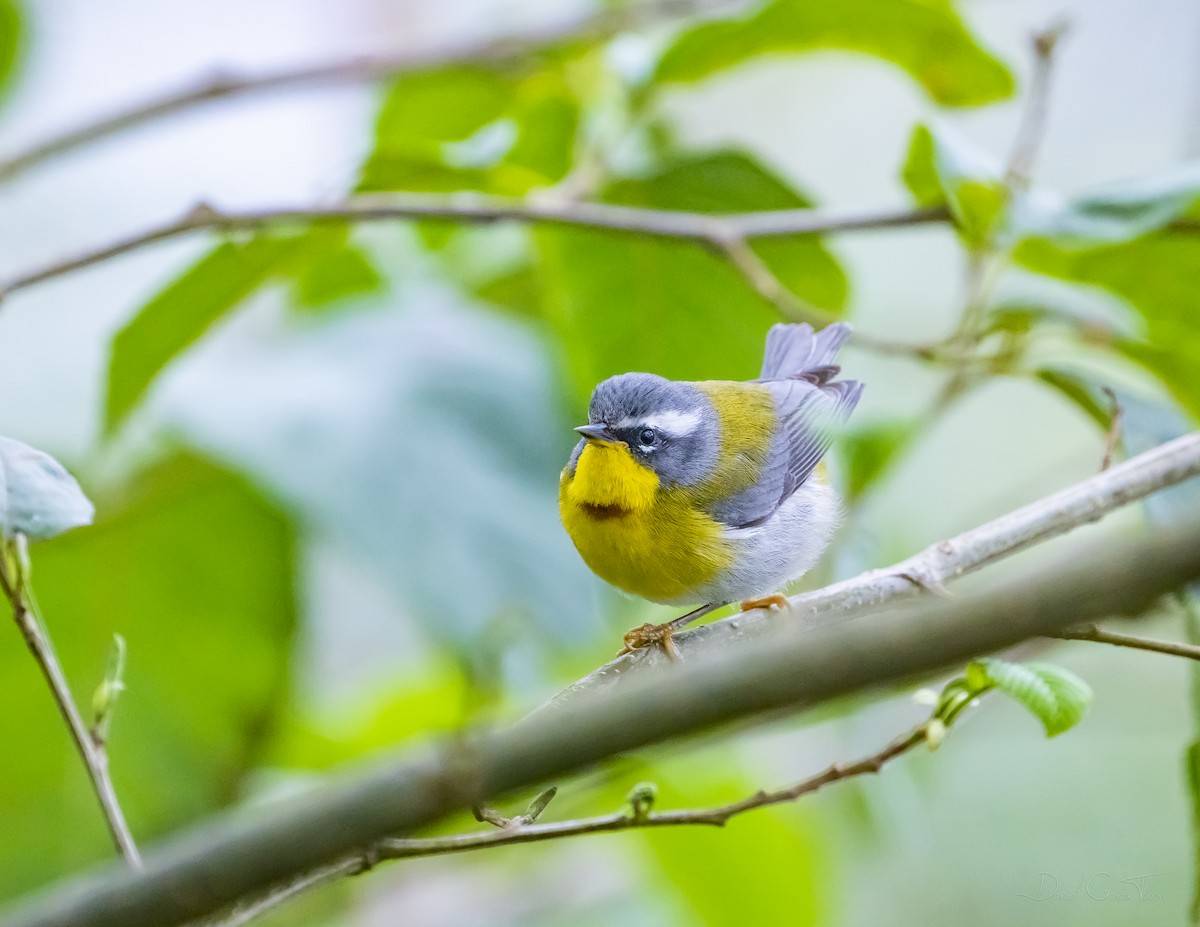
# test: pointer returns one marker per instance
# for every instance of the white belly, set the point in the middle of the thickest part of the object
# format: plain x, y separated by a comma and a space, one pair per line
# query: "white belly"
776, 553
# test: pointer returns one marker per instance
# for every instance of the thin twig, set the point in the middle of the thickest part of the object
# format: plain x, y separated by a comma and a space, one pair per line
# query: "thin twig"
93, 754
1113, 436
355, 70
746, 261
243, 913
397, 848
710, 230
987, 263
1100, 636
1032, 127
1083, 503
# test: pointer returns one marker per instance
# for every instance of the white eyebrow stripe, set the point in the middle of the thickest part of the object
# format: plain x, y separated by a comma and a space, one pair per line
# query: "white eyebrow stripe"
672, 422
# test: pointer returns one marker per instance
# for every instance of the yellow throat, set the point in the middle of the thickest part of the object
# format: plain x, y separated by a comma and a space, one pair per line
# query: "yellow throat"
607, 477
650, 541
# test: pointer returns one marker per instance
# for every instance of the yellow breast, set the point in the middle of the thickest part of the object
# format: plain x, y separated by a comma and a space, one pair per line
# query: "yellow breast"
652, 542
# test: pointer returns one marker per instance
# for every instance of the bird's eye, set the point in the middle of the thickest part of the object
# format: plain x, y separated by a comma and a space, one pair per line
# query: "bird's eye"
648, 437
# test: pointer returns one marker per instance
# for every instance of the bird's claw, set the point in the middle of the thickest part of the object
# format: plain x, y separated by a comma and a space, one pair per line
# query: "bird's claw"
647, 635
777, 602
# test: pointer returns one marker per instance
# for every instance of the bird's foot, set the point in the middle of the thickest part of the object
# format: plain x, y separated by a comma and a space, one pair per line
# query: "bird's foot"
778, 601
649, 634
662, 634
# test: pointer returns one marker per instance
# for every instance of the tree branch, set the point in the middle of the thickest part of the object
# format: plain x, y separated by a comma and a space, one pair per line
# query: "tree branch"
520, 830
712, 230
988, 260
240, 855
1033, 120
91, 751
356, 70
1100, 636
1085, 502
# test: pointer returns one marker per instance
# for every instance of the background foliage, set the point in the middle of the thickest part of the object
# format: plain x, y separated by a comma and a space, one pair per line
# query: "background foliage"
325, 458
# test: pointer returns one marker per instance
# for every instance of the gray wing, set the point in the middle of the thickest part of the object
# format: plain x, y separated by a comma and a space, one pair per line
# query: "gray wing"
810, 408
795, 350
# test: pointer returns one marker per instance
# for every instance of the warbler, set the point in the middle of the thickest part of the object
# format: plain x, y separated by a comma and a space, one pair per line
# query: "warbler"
710, 491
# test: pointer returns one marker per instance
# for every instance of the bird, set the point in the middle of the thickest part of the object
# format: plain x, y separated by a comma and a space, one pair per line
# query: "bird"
710, 491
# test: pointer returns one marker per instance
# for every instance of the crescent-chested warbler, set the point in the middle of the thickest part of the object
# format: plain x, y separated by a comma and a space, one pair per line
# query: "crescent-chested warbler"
710, 491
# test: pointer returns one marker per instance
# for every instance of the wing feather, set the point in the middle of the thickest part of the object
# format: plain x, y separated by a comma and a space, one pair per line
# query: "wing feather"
810, 408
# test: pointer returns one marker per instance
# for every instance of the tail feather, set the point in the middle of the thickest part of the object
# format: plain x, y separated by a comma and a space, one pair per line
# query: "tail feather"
795, 350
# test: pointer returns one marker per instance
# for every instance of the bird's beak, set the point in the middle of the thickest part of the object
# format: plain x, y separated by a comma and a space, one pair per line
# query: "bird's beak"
596, 432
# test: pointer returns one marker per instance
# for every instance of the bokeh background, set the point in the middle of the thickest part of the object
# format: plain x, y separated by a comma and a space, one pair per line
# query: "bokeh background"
328, 524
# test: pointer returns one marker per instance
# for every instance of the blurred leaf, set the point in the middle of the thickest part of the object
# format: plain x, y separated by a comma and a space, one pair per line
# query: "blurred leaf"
10, 40
1116, 213
322, 262
518, 290
336, 271
924, 37
1097, 316
868, 451
943, 168
446, 104
431, 437
429, 706
749, 871
1055, 696
622, 302
1191, 759
1159, 275
194, 569
1081, 390
474, 128
178, 316
732, 181
919, 172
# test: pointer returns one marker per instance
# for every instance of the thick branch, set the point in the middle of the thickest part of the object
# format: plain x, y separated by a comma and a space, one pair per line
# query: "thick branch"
357, 70
939, 563
93, 754
201, 872
393, 848
714, 231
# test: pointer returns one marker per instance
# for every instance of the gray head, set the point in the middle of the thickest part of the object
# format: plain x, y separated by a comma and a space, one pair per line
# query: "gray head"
671, 428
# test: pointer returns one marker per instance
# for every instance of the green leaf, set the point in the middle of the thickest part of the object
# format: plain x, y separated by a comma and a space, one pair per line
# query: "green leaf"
621, 302
179, 315
1098, 316
747, 872
1081, 390
1055, 696
867, 452
924, 37
344, 272
427, 706
517, 290
322, 263
11, 34
446, 105
473, 128
942, 168
195, 571
1159, 275
919, 172
1192, 765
